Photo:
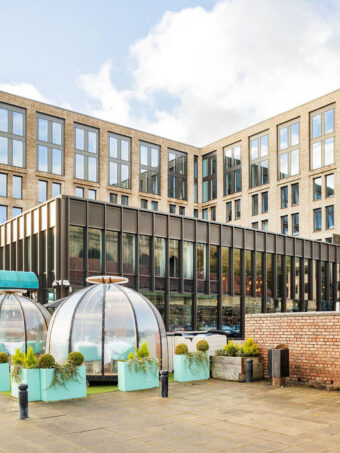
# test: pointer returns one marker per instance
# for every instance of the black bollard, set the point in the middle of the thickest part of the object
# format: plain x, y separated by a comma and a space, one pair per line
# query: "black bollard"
249, 370
164, 383
23, 401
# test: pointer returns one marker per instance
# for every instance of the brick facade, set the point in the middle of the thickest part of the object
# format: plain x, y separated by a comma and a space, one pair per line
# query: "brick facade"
313, 340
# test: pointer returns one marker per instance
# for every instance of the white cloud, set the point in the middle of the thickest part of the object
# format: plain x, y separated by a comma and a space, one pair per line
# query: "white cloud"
24, 89
226, 68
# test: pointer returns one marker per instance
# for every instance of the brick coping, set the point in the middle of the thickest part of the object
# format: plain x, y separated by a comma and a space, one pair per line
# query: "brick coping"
293, 314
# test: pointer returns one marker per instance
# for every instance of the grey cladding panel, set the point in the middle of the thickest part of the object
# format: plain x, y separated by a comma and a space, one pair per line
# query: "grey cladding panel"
238, 238
96, 215
308, 249
250, 240
189, 230
214, 234
129, 221
324, 252
175, 228
298, 247
145, 223
270, 243
161, 225
227, 236
202, 232
113, 220
280, 244
332, 253
290, 246
78, 212
260, 241
316, 250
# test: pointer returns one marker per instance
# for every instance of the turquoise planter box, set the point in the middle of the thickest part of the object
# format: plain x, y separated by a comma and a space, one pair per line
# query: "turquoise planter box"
129, 380
5, 385
184, 372
72, 389
31, 377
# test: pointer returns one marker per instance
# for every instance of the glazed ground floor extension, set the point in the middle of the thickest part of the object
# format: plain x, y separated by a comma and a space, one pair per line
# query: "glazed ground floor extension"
199, 274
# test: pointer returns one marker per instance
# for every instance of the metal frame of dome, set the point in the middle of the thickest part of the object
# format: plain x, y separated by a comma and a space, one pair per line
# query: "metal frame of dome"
45, 316
106, 282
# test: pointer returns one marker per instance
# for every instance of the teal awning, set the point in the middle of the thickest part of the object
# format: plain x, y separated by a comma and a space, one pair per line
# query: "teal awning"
18, 280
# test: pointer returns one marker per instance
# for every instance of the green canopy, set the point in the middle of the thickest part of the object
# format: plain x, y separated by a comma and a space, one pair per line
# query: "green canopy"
18, 280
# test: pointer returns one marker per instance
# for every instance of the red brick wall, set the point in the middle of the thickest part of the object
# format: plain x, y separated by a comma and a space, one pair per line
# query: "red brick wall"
313, 340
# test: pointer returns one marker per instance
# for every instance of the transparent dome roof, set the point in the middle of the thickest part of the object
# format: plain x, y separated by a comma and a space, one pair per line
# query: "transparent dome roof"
106, 322
23, 323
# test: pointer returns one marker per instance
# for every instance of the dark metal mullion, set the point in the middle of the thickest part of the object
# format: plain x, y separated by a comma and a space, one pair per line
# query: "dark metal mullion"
318, 285
152, 244
167, 278
220, 279
137, 273
207, 260
335, 285
103, 327
194, 298
120, 248
264, 276
181, 256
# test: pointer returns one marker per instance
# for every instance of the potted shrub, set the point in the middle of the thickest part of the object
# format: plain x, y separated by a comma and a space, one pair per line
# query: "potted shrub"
24, 370
61, 382
4, 373
139, 371
229, 363
191, 366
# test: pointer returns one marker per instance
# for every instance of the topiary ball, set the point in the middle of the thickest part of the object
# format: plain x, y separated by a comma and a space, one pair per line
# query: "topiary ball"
202, 346
46, 361
4, 357
75, 358
181, 349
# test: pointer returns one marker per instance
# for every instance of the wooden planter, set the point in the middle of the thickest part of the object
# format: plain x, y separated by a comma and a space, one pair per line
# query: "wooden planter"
234, 368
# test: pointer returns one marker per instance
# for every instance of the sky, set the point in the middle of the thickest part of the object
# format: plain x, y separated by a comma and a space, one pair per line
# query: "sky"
193, 71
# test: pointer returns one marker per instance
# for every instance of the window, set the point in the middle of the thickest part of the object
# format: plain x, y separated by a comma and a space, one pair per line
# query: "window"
264, 225
181, 210
255, 204
149, 168
3, 185
113, 198
284, 197
295, 224
264, 196
255, 225
86, 153
237, 204
3, 213
205, 214
196, 213
119, 160
124, 200
213, 213
317, 187
16, 187
317, 220
12, 135
17, 211
322, 138
330, 185
232, 170
172, 208
209, 185
91, 194
177, 174
42, 191
196, 179
259, 173
284, 224
50, 144
295, 194
56, 189
144, 204
329, 217
289, 155
228, 211
79, 192
154, 205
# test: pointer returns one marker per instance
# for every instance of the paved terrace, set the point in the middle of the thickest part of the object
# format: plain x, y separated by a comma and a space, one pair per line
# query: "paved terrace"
209, 416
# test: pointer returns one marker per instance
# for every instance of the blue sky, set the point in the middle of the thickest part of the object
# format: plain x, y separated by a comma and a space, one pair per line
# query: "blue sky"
194, 71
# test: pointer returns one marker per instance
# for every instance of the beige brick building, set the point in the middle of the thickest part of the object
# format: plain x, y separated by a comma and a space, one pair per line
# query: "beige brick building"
280, 175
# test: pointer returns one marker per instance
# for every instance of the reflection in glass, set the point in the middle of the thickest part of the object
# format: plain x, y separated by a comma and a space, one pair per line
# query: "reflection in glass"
129, 254
160, 257
76, 252
180, 307
206, 312
188, 260
174, 258
112, 251
201, 253
316, 126
237, 272
95, 250
231, 315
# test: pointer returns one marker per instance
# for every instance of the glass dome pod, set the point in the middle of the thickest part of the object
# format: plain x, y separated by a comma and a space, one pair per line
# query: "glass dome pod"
105, 322
23, 323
